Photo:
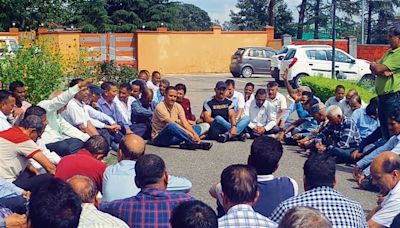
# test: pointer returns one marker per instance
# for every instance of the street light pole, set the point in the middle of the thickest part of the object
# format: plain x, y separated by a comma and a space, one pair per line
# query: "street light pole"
333, 39
362, 22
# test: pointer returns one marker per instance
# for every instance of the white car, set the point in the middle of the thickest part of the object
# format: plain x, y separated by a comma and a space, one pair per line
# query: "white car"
276, 62
315, 60
8, 46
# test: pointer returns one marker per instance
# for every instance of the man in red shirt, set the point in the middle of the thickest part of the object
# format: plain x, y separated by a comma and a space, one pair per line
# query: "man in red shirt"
181, 99
86, 162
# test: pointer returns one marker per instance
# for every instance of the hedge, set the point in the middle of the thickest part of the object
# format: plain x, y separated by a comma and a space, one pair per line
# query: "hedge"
324, 88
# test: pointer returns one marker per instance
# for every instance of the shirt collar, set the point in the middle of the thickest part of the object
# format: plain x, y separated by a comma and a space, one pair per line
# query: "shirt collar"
394, 50
2, 116
240, 207
102, 101
395, 190
153, 191
81, 104
261, 178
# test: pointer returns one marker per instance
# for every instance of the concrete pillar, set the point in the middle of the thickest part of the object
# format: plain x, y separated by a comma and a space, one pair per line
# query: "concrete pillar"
286, 40
352, 42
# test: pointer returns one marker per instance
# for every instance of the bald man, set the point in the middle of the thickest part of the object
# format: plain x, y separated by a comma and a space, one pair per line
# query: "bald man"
90, 216
119, 179
385, 172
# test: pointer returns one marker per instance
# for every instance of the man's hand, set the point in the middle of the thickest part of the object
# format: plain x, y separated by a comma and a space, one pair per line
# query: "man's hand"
356, 155
26, 194
321, 148
85, 83
113, 127
16, 221
17, 112
233, 131
259, 130
296, 136
388, 73
196, 138
285, 74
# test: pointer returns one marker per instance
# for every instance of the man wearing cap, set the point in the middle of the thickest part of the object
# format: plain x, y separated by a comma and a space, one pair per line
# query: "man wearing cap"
219, 112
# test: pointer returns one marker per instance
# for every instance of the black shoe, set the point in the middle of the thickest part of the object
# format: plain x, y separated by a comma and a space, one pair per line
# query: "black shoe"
222, 138
188, 146
242, 137
205, 146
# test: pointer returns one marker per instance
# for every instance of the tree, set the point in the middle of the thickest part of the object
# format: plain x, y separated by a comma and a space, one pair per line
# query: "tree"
191, 18
284, 21
90, 15
302, 15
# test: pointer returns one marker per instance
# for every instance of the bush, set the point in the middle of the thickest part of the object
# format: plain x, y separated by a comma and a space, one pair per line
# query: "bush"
109, 71
324, 88
37, 67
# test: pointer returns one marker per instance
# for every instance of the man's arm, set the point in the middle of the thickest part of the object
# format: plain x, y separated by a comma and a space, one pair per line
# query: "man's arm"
44, 162
291, 91
232, 121
71, 131
380, 70
139, 110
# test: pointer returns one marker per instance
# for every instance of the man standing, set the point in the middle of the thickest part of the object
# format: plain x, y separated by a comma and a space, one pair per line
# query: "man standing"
170, 126
7, 106
385, 171
387, 83
219, 112
152, 178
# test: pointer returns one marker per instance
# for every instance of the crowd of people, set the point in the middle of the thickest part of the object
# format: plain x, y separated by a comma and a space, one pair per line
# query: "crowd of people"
53, 174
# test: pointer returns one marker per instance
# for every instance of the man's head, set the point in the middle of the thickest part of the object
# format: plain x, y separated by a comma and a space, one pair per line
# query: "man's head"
265, 154
239, 186
147, 97
144, 75
170, 96
372, 108
84, 187
138, 86
95, 93
339, 93
248, 89
33, 127
110, 91
18, 89
220, 90
350, 94
272, 88
181, 89
394, 36
83, 94
230, 88
131, 147
299, 217
335, 114
261, 96
317, 110
151, 172
355, 102
54, 205
155, 77
164, 83
305, 97
319, 170
193, 214
125, 91
7, 102
97, 146
394, 122
37, 111
385, 171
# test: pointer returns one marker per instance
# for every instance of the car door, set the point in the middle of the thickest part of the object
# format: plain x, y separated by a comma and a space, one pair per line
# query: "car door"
257, 60
346, 66
268, 59
318, 63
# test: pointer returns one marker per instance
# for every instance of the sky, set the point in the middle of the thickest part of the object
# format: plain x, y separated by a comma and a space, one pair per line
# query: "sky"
220, 9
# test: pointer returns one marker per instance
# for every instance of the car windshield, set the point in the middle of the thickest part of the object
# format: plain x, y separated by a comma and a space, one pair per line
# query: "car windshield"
14, 46
291, 53
239, 51
283, 51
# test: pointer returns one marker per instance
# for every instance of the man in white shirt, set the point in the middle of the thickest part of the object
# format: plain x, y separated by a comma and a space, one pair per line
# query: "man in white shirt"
339, 96
7, 105
124, 102
277, 99
155, 81
90, 215
346, 105
385, 172
262, 116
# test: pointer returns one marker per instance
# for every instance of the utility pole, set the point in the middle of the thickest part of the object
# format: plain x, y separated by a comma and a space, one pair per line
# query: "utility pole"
362, 22
334, 39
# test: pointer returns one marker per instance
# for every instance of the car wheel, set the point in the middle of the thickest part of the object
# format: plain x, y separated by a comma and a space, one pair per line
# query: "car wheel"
367, 79
247, 72
297, 82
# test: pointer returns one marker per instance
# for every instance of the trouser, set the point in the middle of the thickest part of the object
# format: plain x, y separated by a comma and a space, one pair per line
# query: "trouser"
220, 126
29, 181
342, 155
142, 129
387, 104
65, 147
172, 134
253, 134
16, 204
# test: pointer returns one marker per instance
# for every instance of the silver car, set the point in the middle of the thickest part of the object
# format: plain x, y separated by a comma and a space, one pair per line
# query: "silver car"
247, 61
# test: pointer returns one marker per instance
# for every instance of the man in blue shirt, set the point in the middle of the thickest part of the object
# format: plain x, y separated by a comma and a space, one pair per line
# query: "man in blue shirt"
366, 119
118, 182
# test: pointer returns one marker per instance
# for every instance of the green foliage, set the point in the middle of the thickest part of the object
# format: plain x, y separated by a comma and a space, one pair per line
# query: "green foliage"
324, 88
109, 71
37, 67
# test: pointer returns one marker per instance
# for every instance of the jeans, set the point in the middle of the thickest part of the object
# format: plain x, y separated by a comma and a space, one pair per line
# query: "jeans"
253, 134
172, 134
178, 184
16, 204
386, 106
342, 155
220, 126
29, 181
66, 146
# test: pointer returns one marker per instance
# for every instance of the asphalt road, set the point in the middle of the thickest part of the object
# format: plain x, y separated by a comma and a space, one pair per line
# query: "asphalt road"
204, 168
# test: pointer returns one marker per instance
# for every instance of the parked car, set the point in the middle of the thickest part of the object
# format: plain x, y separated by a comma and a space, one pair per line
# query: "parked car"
316, 60
247, 61
8, 46
276, 62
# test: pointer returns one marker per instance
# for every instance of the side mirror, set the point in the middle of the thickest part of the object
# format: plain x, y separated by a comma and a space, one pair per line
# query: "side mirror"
352, 61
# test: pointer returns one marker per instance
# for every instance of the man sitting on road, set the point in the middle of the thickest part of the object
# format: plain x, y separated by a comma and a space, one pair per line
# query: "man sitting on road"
118, 178
347, 107
277, 99
154, 83
319, 180
218, 111
19, 92
142, 113
124, 102
366, 119
185, 102
160, 92
170, 126
248, 91
385, 172
339, 96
